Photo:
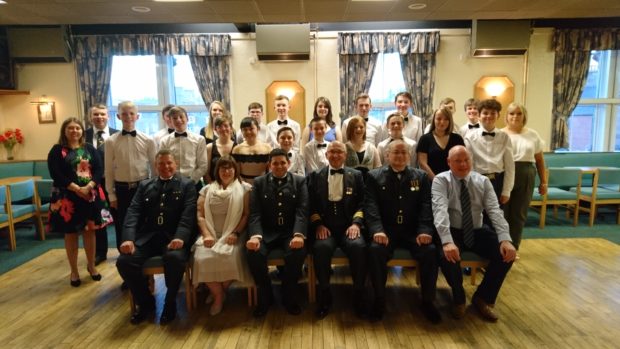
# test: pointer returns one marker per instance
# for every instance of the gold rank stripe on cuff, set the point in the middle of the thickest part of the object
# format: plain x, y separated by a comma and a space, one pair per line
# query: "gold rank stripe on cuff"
358, 214
315, 217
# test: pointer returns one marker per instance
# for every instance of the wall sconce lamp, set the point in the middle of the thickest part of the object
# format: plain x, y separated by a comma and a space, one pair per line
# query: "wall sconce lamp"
46, 110
500, 88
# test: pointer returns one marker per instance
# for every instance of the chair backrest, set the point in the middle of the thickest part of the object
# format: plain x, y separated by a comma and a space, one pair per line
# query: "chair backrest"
2, 196
608, 176
22, 190
44, 189
564, 177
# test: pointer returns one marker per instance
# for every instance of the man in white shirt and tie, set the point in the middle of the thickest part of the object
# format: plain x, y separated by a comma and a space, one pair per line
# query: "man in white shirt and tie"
459, 197
97, 135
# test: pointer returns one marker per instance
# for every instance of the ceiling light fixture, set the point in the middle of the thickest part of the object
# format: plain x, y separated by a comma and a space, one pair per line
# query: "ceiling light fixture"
417, 6
2, 2
140, 9
178, 0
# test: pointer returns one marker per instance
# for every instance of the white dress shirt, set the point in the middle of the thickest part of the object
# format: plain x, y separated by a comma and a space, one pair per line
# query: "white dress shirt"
446, 201
314, 156
412, 129
105, 135
272, 132
373, 131
159, 135
298, 165
334, 185
465, 129
493, 155
190, 153
411, 147
128, 159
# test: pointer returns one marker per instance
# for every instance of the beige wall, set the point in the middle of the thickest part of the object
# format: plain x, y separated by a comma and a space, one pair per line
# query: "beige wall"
456, 74
57, 82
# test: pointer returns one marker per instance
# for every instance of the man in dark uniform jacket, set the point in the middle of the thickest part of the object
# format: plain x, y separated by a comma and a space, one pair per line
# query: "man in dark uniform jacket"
160, 222
398, 214
278, 220
96, 135
336, 198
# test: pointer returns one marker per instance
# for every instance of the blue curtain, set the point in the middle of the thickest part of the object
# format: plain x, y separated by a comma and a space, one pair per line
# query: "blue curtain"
358, 56
93, 56
570, 72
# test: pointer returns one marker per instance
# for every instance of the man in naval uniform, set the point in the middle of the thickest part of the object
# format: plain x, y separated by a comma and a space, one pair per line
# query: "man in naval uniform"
336, 217
278, 220
160, 222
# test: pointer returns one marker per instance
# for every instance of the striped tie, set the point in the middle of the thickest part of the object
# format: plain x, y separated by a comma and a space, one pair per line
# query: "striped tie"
100, 139
466, 220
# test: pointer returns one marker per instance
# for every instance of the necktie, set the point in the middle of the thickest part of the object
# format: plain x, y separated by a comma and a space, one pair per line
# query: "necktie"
492, 134
474, 126
333, 172
170, 130
466, 219
184, 134
283, 122
131, 133
100, 139
319, 145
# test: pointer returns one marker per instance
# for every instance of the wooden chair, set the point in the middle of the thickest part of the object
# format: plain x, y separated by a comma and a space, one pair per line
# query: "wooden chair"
16, 194
44, 195
475, 262
564, 188
154, 266
540, 201
5, 218
275, 259
601, 192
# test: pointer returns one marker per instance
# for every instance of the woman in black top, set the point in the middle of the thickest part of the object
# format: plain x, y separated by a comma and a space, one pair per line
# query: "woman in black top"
223, 145
434, 146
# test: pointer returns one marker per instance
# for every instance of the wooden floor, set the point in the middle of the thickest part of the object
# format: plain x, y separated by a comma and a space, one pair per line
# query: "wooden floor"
560, 294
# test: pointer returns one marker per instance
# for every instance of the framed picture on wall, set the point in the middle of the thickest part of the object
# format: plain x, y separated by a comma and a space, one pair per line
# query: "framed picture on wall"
47, 113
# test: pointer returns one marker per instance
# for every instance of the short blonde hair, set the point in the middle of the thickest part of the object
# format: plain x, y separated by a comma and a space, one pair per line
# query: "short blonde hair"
514, 106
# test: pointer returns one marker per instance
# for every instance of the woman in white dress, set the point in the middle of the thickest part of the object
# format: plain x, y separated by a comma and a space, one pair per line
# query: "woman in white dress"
223, 210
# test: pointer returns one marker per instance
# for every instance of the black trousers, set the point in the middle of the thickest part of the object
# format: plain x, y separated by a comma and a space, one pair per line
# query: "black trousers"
487, 246
124, 195
355, 251
101, 235
425, 255
130, 269
293, 261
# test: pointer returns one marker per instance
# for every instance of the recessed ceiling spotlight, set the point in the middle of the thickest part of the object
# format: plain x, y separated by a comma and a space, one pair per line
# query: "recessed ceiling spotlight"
417, 6
178, 0
2, 2
140, 9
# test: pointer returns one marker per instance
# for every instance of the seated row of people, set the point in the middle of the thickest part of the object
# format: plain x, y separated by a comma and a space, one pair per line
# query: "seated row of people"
330, 208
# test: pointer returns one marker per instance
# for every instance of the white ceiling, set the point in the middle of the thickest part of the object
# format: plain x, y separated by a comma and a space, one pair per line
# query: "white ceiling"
41, 12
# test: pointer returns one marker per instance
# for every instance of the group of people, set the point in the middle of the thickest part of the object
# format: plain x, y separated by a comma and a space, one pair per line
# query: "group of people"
277, 187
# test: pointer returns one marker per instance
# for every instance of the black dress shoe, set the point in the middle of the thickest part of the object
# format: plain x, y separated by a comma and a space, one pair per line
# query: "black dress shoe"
100, 259
142, 313
75, 283
377, 311
124, 286
260, 310
467, 271
95, 277
293, 308
322, 310
168, 314
430, 312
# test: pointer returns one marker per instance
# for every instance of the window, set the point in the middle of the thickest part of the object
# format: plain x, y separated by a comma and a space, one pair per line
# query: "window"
594, 125
387, 81
152, 82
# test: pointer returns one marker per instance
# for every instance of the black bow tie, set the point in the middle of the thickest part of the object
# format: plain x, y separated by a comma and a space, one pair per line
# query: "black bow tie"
284, 122
492, 134
319, 145
366, 119
131, 133
170, 130
406, 118
474, 126
333, 172
290, 154
184, 134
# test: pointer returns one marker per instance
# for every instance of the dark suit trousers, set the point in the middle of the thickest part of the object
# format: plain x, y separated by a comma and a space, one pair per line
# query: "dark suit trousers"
487, 246
124, 195
130, 268
293, 261
425, 255
101, 235
355, 251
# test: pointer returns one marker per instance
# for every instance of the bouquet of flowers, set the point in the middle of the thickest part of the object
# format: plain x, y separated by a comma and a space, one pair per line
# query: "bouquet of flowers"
9, 138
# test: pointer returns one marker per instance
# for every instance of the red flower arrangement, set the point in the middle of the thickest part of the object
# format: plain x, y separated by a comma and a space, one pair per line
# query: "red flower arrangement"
9, 139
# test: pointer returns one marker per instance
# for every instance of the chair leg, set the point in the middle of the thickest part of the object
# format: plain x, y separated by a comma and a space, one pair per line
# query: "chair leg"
189, 290
311, 280
576, 218
12, 241
472, 277
250, 291
39, 223
543, 216
592, 213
